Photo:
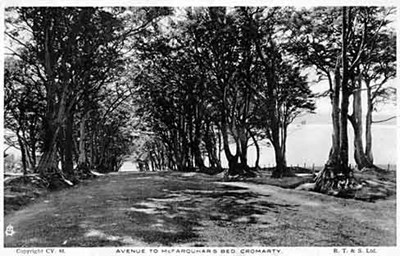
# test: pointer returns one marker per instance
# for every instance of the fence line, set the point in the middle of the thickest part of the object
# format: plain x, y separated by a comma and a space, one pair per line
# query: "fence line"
388, 167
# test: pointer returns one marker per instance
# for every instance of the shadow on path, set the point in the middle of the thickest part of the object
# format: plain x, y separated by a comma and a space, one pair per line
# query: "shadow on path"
176, 209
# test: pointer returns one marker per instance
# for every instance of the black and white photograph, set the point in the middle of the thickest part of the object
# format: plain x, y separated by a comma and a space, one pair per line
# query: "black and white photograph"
199, 129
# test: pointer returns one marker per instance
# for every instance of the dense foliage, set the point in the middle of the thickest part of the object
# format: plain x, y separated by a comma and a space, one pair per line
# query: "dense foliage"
176, 88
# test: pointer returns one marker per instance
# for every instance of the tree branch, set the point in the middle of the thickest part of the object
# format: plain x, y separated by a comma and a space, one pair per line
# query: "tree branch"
384, 120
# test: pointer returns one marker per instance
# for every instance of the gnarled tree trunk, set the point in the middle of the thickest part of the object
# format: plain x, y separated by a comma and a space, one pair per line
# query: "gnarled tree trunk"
337, 177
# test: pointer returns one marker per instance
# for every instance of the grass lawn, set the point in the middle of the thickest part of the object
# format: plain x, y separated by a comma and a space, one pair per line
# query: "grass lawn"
192, 209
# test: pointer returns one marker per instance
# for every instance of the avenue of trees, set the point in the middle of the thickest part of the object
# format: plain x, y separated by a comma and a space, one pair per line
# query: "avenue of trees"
64, 96
84, 87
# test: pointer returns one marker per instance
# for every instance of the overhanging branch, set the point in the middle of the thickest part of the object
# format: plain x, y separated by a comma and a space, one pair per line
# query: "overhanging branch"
384, 120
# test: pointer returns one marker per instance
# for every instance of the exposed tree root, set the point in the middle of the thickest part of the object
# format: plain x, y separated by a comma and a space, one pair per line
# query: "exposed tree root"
338, 182
56, 179
374, 169
240, 171
211, 170
287, 172
33, 179
82, 172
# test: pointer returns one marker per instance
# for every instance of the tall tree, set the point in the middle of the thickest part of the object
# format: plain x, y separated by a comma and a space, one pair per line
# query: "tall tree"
336, 41
74, 51
226, 54
284, 92
336, 175
375, 69
23, 109
209, 75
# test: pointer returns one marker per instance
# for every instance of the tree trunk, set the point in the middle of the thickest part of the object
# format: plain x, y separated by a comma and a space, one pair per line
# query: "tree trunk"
356, 121
211, 147
233, 165
281, 169
189, 137
368, 126
23, 154
326, 179
243, 140
178, 156
335, 97
82, 152
220, 146
359, 155
344, 141
48, 162
33, 152
336, 177
196, 145
82, 158
257, 162
92, 152
55, 112
68, 168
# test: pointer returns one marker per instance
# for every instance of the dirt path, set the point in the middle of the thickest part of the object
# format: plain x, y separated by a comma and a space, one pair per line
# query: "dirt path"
171, 209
